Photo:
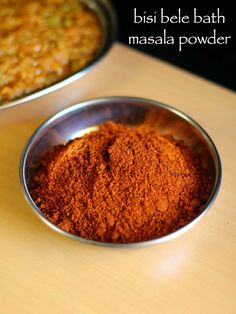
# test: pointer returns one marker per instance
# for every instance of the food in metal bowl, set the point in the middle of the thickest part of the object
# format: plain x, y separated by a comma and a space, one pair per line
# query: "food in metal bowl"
121, 163
42, 42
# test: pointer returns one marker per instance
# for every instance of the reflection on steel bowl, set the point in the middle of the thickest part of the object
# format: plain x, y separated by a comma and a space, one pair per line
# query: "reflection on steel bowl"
44, 42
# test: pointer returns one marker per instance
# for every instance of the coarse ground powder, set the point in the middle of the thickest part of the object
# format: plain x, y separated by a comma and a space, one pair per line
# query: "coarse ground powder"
121, 184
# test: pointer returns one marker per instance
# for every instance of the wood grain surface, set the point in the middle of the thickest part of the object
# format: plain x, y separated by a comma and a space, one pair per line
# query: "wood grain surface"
43, 272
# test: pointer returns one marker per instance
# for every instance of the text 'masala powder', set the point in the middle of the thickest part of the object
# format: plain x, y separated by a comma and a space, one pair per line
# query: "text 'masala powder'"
121, 184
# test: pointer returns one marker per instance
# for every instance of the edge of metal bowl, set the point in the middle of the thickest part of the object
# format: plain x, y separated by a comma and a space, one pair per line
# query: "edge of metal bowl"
109, 16
98, 101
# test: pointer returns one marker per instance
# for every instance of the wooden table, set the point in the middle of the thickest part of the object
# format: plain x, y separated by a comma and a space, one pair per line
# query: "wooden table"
43, 272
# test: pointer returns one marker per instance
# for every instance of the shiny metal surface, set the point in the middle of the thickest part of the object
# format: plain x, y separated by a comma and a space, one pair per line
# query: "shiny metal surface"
107, 16
86, 116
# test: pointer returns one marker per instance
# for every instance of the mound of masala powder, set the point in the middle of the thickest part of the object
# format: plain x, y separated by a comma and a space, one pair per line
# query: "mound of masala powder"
121, 184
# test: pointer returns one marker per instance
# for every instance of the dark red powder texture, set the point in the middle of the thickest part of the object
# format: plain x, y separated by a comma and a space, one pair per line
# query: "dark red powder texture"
121, 184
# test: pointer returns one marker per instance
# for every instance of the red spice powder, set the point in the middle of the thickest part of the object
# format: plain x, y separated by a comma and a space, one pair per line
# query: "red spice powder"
121, 184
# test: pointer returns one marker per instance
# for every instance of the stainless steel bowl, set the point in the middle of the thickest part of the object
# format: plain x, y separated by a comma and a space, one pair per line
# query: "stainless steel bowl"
86, 116
107, 17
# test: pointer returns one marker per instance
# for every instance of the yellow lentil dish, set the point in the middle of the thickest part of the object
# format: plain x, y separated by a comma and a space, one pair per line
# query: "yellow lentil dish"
42, 42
